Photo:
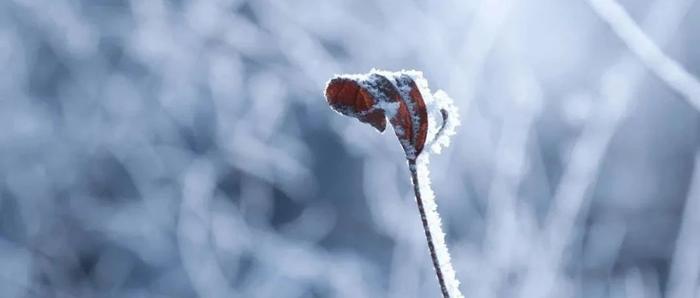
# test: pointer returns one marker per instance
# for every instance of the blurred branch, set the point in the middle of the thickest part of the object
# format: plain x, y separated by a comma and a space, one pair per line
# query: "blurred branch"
663, 66
685, 267
572, 198
194, 233
504, 227
483, 32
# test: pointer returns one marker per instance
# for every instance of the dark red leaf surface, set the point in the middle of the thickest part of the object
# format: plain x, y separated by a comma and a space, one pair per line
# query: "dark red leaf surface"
366, 98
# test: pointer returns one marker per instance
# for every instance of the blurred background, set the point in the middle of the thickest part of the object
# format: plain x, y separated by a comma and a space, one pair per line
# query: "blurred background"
183, 148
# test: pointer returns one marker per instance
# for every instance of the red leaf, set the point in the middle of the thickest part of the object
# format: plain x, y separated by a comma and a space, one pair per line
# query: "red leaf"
369, 97
348, 98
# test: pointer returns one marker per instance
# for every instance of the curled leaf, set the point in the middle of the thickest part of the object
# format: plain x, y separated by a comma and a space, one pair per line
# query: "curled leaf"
417, 116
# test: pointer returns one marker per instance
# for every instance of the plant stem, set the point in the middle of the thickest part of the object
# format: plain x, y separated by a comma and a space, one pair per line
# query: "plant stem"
431, 246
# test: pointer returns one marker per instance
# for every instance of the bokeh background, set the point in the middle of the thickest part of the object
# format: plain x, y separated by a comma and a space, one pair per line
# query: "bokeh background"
183, 148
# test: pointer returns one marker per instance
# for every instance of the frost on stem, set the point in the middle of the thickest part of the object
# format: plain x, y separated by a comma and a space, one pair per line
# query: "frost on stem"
432, 224
419, 119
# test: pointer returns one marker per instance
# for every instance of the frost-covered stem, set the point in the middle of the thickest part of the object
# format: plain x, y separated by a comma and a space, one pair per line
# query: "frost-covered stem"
426, 227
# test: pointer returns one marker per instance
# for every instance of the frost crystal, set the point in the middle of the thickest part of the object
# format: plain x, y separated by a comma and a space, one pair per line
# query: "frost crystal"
449, 118
434, 223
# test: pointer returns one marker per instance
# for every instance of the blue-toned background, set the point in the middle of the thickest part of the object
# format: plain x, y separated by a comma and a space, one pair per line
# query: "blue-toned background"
153, 148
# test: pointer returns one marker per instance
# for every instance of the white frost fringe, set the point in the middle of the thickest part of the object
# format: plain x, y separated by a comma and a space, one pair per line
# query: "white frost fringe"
438, 137
439, 132
435, 226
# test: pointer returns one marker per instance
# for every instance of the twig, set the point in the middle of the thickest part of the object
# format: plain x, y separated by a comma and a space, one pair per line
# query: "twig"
426, 227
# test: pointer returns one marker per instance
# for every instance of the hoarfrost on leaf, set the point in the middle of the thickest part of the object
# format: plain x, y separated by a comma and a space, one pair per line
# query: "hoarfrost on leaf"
420, 118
